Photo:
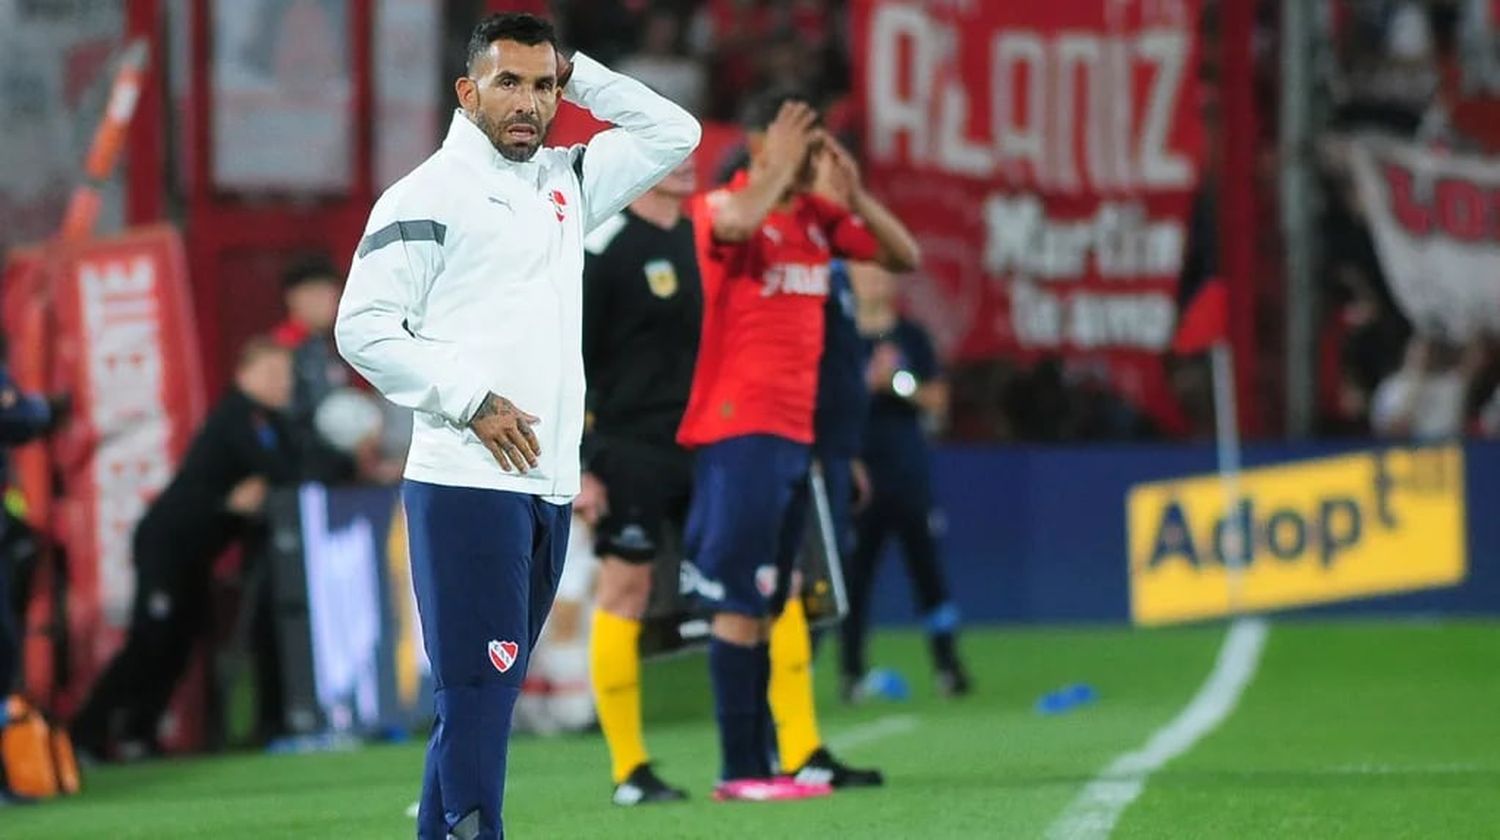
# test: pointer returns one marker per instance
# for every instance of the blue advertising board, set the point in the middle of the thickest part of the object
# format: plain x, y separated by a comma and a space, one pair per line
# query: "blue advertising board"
1038, 534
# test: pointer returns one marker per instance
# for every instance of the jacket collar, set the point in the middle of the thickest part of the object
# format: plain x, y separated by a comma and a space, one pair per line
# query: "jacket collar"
468, 142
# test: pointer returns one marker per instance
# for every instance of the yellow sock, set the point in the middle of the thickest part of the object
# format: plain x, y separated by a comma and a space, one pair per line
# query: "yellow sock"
792, 687
615, 669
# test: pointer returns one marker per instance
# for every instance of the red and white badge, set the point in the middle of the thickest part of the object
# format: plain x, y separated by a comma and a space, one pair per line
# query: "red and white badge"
503, 654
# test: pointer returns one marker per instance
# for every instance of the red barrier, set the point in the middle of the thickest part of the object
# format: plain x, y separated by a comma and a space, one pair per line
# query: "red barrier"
110, 322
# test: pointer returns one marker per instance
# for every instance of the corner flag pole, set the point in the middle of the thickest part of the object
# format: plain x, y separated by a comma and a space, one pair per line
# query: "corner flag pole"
1237, 538
108, 144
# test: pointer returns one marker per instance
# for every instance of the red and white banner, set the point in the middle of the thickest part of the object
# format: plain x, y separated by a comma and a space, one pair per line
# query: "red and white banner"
1436, 221
118, 334
1046, 155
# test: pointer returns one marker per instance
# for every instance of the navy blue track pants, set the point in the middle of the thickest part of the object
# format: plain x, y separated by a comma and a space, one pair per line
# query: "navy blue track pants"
485, 565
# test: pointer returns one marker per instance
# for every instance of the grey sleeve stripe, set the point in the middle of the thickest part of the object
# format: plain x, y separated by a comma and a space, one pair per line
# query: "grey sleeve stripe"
424, 230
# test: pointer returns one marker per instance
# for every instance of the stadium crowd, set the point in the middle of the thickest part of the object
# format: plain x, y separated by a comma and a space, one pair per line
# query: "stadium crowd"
1410, 71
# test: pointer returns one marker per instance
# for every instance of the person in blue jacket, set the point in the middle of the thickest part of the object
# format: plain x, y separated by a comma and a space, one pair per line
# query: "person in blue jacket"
23, 418
843, 404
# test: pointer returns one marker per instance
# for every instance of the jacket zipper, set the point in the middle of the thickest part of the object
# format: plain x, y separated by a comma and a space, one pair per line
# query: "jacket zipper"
562, 356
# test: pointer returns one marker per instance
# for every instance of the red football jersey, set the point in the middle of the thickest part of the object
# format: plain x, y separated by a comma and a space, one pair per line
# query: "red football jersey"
762, 335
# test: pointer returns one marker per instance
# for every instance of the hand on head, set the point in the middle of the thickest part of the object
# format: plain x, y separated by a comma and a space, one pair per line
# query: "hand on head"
837, 175
790, 136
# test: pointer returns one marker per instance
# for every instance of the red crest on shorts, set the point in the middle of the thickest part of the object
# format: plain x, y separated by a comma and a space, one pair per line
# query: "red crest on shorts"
559, 203
765, 580
503, 654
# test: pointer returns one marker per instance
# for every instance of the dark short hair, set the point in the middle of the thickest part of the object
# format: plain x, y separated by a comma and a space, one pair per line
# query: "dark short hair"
525, 29
762, 109
309, 269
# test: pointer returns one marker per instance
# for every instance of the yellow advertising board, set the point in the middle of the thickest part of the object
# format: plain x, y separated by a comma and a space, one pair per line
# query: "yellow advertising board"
1321, 531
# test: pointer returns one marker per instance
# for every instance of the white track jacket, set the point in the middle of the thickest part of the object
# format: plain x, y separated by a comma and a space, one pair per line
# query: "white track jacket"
469, 280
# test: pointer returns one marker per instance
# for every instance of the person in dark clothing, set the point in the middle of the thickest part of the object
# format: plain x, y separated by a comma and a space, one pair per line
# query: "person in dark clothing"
214, 500
23, 418
843, 405
311, 289
642, 304
642, 314
904, 376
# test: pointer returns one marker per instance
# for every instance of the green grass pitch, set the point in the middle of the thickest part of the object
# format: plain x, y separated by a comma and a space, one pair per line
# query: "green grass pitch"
1356, 730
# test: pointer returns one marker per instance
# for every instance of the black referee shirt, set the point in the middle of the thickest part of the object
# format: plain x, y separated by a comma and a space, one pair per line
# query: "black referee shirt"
642, 307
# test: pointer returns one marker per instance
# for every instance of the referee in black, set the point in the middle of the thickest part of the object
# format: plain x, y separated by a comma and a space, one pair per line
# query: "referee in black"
642, 309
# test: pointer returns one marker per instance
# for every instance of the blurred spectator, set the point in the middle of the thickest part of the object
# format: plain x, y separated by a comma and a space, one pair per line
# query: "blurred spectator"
996, 400
1097, 412
978, 407
663, 66
310, 289
1424, 399
607, 31
1038, 402
726, 34
23, 417
787, 62
1391, 74
216, 499
1481, 371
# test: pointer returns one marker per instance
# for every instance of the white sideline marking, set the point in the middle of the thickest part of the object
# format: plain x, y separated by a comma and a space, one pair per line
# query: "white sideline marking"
1096, 809
876, 730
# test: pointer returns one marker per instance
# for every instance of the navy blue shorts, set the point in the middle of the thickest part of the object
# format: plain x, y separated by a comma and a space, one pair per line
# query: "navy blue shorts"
744, 490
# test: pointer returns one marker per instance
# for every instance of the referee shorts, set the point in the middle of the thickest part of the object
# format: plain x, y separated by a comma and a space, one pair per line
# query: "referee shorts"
649, 486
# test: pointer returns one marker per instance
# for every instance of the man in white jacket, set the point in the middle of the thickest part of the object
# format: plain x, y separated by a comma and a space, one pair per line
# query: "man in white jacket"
465, 304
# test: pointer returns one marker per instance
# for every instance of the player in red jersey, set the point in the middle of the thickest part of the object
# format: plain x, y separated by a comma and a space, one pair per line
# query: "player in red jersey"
764, 246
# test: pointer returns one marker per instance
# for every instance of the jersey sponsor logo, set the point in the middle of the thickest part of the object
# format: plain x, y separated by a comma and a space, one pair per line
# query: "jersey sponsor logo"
796, 279
559, 204
503, 654
661, 277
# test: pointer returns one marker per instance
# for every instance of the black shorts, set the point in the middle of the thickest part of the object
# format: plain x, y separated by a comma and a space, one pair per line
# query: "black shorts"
649, 487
